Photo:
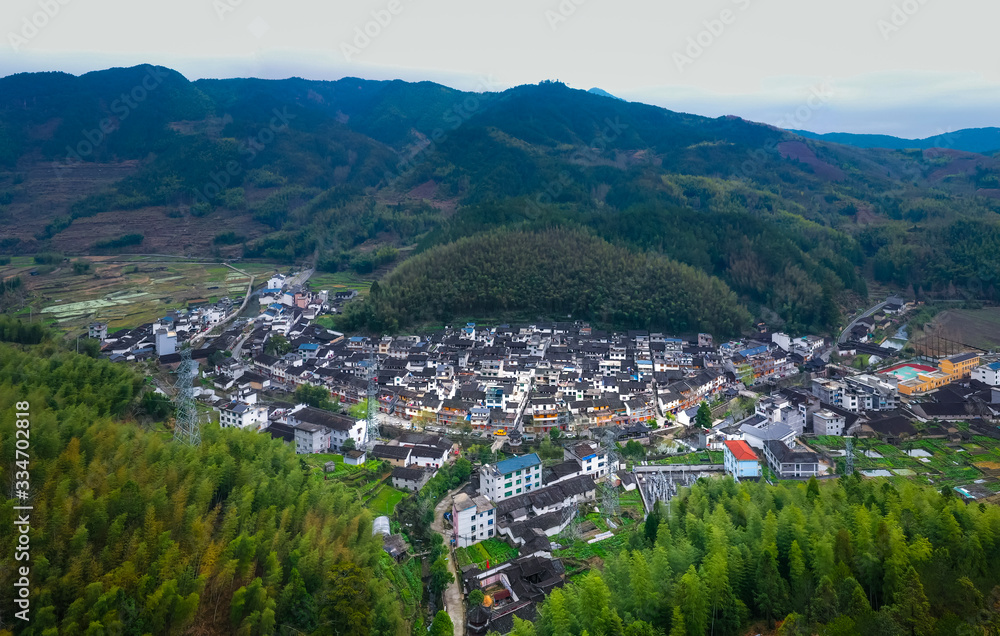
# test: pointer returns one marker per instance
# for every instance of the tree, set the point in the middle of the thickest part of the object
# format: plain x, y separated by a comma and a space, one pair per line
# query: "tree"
441, 576
359, 411
693, 600
677, 627
442, 625
348, 609
476, 597
771, 595
277, 345
634, 449
704, 417
315, 396
348, 445
296, 607
912, 610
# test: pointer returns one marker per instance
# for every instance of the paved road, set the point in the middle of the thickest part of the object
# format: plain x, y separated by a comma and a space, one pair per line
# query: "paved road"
454, 601
847, 331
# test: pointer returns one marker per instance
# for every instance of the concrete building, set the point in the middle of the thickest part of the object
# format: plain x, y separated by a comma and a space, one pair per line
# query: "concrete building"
591, 458
740, 460
827, 422
98, 330
243, 414
166, 341
988, 374
511, 477
788, 463
473, 519
339, 427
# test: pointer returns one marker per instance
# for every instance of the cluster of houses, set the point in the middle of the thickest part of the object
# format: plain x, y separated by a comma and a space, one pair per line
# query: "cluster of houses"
163, 337
864, 405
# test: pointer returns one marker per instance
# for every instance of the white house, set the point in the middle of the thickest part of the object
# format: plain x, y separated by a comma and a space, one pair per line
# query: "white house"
592, 458
243, 414
988, 374
339, 428
511, 477
473, 519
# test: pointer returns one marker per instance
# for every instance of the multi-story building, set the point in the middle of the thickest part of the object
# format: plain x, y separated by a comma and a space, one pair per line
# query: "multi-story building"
827, 422
740, 460
473, 519
240, 414
988, 374
510, 477
338, 428
593, 460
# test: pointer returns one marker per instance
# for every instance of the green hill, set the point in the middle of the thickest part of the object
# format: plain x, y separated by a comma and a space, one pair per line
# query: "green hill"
331, 172
550, 273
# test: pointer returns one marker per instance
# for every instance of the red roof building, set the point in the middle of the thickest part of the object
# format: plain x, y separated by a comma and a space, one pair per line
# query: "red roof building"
740, 460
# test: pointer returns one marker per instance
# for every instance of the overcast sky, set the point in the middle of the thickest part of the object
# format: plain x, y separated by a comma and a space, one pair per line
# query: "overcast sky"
910, 68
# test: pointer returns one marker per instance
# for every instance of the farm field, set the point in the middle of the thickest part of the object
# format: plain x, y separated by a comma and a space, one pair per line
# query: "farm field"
123, 291
934, 462
340, 281
384, 501
975, 327
493, 551
697, 457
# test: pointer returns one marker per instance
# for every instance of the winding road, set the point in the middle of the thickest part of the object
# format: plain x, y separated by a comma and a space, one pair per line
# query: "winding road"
847, 330
454, 600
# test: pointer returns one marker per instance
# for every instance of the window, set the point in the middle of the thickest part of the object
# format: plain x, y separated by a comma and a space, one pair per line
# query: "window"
507, 494
473, 528
490, 523
518, 491
491, 532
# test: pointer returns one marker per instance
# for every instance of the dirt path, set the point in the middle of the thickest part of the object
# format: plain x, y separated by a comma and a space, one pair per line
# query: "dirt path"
454, 601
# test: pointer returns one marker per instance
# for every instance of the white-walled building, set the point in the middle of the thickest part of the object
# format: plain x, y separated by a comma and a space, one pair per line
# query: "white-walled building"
988, 374
511, 477
473, 519
243, 414
338, 429
593, 460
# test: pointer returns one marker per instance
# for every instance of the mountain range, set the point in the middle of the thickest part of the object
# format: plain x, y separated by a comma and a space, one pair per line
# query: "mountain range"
363, 174
980, 140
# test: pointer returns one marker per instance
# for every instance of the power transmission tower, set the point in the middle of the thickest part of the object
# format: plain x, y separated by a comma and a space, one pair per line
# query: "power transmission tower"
571, 521
186, 426
373, 424
849, 455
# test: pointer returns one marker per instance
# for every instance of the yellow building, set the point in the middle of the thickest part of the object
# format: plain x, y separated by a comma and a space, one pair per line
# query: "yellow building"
949, 370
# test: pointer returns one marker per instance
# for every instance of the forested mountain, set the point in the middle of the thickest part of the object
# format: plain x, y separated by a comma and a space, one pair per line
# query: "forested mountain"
333, 172
132, 533
549, 272
856, 556
983, 140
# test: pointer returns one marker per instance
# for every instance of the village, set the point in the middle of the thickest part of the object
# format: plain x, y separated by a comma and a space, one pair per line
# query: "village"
542, 446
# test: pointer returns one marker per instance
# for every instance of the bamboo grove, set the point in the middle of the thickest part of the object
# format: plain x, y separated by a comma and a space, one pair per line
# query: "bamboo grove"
136, 534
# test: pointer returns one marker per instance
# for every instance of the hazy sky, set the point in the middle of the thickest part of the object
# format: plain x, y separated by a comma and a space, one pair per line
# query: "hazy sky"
911, 68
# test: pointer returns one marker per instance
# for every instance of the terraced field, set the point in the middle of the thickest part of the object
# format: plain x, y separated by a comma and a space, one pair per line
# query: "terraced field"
122, 291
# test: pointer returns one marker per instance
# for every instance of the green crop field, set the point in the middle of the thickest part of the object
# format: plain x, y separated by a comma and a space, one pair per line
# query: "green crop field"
384, 502
947, 465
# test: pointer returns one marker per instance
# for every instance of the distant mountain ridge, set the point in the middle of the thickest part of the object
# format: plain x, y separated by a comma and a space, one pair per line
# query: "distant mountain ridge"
357, 174
979, 140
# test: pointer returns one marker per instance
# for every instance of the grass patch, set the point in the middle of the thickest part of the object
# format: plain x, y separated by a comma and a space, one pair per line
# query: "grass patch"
384, 502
